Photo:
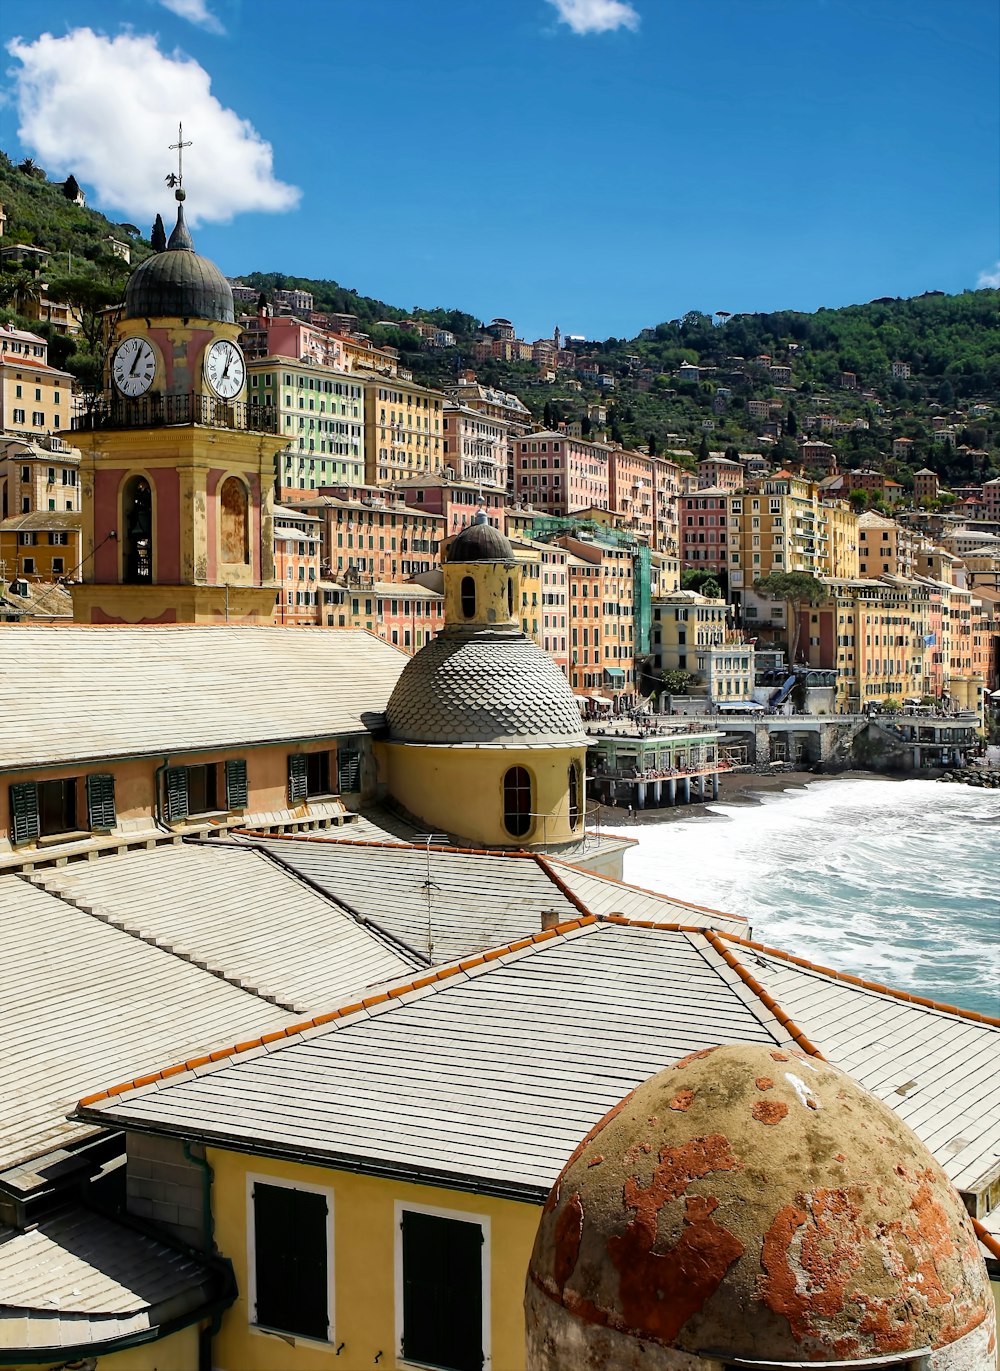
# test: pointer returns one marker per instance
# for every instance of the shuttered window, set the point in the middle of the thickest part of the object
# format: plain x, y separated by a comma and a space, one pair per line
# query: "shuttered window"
175, 790
291, 1254
348, 771
298, 772
24, 811
442, 1291
236, 784
101, 801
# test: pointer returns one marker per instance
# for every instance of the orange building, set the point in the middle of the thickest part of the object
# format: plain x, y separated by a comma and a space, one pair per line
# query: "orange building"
296, 566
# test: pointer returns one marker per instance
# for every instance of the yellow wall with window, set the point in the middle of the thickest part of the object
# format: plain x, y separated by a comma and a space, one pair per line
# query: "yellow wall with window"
364, 1225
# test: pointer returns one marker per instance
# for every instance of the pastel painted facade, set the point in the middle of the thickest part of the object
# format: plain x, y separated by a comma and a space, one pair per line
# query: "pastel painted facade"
35, 398
296, 566
319, 413
475, 446
404, 431
561, 475
704, 530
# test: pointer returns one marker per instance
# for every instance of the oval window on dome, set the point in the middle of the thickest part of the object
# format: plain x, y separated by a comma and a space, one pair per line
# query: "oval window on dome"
469, 597
517, 801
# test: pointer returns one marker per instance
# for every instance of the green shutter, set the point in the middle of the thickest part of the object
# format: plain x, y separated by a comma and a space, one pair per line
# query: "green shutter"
298, 773
101, 802
175, 788
236, 784
442, 1291
24, 811
290, 1261
348, 772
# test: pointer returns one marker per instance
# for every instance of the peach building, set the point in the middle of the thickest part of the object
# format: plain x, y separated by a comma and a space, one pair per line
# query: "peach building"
35, 398
561, 475
720, 473
296, 566
376, 536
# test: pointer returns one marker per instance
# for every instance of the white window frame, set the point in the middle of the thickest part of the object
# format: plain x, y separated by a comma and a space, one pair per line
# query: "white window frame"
463, 1216
253, 1178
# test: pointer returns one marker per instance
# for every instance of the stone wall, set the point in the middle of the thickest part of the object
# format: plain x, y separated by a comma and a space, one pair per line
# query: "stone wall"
168, 1188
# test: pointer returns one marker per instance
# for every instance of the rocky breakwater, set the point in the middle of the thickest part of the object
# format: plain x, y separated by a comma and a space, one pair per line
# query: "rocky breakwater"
971, 775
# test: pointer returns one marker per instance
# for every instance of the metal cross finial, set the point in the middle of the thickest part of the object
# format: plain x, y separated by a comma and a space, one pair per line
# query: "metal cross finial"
179, 147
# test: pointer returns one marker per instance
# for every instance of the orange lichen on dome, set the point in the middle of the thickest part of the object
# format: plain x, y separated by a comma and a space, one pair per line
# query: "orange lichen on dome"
830, 1233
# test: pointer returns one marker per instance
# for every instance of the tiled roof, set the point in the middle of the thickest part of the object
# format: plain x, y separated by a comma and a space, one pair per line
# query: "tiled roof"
484, 688
604, 895
233, 912
81, 999
123, 690
79, 1280
491, 1070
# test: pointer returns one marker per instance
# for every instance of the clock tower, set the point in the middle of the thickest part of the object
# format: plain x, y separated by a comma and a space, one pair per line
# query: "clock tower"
177, 467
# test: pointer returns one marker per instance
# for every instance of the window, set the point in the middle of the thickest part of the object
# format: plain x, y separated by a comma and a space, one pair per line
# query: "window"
137, 512
190, 790
290, 1260
308, 775
441, 1279
517, 801
469, 597
574, 795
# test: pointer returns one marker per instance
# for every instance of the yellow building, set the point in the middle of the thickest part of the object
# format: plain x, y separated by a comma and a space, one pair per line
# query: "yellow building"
35, 398
692, 633
404, 430
177, 468
484, 735
376, 1175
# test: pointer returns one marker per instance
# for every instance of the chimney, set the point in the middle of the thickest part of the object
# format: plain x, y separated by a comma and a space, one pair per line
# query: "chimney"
550, 919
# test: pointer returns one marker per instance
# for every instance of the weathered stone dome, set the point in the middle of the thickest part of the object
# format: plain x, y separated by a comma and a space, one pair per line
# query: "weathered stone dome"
755, 1205
484, 687
480, 542
178, 284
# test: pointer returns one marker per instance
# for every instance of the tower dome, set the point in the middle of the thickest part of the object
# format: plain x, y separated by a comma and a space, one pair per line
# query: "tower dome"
178, 284
756, 1207
480, 542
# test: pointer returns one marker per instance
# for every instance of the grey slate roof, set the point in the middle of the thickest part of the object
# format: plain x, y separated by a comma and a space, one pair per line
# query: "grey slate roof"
939, 1071
177, 283
80, 999
490, 1076
605, 895
78, 1279
239, 916
486, 687
127, 690
476, 900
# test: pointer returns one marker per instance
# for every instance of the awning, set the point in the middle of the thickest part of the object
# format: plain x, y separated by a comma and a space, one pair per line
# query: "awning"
615, 672
740, 705
601, 699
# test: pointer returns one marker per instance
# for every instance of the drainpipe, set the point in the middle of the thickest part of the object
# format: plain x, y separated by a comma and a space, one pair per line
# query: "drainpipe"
158, 818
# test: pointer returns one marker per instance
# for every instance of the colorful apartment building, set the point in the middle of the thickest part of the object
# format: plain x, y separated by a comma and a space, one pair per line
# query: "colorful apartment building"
457, 502
38, 475
35, 398
545, 596
42, 546
476, 446
376, 535
876, 634
666, 492
632, 491
694, 634
716, 472
704, 530
296, 566
885, 548
602, 616
561, 475
405, 615
404, 431
319, 412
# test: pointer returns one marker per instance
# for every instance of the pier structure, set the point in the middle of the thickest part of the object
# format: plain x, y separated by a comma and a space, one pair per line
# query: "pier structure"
649, 769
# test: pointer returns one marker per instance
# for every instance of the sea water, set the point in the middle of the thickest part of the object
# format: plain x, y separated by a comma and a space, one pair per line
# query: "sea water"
895, 881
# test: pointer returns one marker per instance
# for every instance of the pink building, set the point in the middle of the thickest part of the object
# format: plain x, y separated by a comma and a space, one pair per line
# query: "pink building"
267, 336
991, 498
296, 566
457, 502
475, 446
720, 473
666, 493
704, 529
559, 475
632, 490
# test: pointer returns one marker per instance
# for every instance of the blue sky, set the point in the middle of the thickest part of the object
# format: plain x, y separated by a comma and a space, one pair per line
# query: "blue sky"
597, 164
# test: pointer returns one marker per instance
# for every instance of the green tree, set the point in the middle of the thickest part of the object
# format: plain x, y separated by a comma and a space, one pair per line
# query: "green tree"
71, 187
795, 588
791, 424
585, 425
158, 235
703, 448
87, 297
858, 500
675, 682
651, 444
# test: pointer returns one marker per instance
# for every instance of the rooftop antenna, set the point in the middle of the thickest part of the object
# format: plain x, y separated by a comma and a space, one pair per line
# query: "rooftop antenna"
429, 886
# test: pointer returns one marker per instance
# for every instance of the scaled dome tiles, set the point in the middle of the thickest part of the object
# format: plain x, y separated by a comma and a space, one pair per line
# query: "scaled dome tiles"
757, 1204
484, 688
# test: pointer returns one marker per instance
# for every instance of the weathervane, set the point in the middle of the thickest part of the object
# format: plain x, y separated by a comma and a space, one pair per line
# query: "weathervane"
176, 180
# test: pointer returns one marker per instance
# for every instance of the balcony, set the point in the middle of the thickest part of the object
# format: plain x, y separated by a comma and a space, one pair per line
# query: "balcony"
162, 411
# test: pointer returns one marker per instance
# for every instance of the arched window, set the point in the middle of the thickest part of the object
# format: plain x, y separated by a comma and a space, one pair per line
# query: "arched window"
510, 596
137, 518
234, 521
469, 597
517, 801
574, 794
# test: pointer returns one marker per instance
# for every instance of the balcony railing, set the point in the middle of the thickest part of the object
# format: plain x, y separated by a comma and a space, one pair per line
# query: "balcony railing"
161, 411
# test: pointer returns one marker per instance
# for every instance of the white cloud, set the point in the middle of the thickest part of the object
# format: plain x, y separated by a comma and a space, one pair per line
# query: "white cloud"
106, 109
989, 279
597, 16
196, 12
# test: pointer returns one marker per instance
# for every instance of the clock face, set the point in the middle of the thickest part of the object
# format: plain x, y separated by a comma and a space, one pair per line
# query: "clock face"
133, 366
225, 369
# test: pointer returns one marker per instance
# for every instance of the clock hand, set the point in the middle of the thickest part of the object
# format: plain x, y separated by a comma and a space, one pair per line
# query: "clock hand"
135, 361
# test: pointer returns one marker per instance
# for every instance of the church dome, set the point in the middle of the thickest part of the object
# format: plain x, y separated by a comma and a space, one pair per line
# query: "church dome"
178, 284
486, 687
480, 542
754, 1205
